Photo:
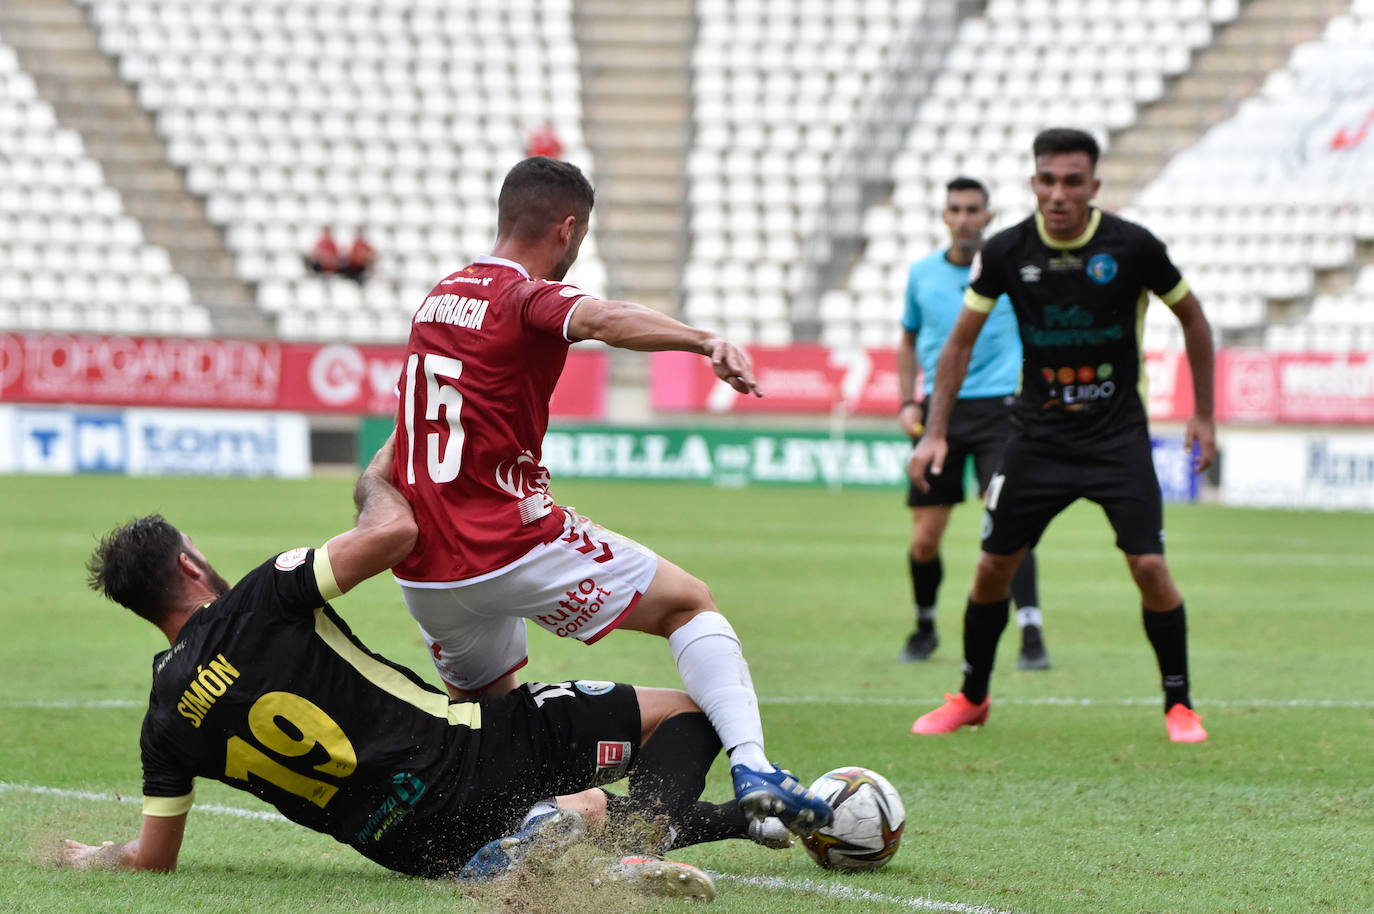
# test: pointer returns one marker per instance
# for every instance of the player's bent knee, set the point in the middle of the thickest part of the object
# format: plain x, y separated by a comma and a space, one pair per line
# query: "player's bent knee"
657, 705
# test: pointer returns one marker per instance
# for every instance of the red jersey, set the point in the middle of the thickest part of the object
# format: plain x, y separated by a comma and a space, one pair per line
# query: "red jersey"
486, 349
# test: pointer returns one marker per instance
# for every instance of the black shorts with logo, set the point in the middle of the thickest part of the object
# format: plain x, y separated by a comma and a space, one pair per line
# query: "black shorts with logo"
978, 428
537, 742
1037, 481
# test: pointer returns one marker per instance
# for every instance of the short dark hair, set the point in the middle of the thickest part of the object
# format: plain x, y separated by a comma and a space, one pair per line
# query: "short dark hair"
963, 182
540, 191
1065, 139
134, 563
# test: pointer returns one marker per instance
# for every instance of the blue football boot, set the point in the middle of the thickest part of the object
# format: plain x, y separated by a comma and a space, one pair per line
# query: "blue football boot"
777, 793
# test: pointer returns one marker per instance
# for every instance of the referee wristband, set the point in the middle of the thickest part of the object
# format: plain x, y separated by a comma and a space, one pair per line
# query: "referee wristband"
905, 404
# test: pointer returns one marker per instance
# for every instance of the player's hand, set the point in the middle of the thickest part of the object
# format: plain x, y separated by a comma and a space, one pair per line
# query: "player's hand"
909, 418
1204, 433
930, 455
84, 856
732, 366
384, 458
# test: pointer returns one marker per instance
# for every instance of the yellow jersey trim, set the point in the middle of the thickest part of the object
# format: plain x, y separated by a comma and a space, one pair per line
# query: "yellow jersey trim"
980, 303
1175, 295
1093, 222
324, 576
388, 679
166, 807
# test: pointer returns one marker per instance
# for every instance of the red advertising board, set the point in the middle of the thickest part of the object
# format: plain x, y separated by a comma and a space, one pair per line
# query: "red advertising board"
239, 374
794, 379
1295, 387
1250, 386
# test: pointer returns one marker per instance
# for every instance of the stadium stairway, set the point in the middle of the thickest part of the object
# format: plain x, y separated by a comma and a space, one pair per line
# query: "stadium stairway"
56, 44
1233, 66
634, 56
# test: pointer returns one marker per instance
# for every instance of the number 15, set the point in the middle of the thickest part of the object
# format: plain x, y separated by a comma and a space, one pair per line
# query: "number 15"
445, 467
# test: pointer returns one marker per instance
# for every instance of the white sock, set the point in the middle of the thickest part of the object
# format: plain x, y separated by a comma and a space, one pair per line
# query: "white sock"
1028, 615
713, 669
538, 809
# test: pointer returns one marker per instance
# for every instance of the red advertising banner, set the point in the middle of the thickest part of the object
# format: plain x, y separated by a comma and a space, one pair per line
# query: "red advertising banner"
1250, 386
1169, 385
348, 378
794, 379
1295, 387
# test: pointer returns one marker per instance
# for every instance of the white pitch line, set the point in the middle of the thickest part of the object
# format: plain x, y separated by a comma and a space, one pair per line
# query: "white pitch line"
5, 786
768, 882
850, 893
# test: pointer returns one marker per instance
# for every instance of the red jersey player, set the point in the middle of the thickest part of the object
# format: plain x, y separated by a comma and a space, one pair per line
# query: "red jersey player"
486, 349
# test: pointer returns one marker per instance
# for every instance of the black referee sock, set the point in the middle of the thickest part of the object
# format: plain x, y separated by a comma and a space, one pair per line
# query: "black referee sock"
1168, 634
1024, 589
983, 624
925, 586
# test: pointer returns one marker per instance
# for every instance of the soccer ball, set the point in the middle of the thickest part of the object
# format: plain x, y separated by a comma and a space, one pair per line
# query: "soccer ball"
869, 818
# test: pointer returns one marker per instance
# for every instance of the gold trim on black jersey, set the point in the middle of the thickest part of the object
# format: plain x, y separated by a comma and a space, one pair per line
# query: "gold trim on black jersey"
1093, 222
388, 679
166, 807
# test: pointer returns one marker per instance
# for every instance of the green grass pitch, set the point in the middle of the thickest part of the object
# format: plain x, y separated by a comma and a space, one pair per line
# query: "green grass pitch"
1070, 799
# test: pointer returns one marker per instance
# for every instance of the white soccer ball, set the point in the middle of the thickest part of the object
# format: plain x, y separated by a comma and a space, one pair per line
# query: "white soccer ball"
869, 818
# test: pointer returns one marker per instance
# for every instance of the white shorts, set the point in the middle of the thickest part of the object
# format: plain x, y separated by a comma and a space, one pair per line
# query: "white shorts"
581, 585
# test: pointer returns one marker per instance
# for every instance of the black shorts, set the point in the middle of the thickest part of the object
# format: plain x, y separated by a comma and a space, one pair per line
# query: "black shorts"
978, 428
535, 743
1037, 481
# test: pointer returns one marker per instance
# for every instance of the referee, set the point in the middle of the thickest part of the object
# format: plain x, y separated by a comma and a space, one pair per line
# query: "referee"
978, 424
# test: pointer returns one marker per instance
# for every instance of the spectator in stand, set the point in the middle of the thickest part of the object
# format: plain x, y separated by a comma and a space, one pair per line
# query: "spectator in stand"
357, 266
324, 256
544, 141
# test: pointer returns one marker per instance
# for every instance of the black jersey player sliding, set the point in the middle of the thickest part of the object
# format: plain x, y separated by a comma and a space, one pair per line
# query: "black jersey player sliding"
266, 689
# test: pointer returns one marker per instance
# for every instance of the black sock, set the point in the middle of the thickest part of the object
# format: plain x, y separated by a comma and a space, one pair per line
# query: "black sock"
983, 624
1024, 589
711, 822
1168, 634
669, 772
925, 587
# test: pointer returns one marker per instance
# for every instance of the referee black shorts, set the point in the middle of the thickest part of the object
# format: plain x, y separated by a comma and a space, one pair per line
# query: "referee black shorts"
1038, 480
978, 428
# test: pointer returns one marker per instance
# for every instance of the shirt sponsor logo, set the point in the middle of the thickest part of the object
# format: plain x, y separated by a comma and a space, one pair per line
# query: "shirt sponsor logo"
1030, 273
593, 686
291, 560
1065, 263
570, 292
1070, 387
1102, 268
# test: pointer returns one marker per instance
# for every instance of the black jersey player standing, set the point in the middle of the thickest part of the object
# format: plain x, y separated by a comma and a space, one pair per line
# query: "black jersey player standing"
1079, 281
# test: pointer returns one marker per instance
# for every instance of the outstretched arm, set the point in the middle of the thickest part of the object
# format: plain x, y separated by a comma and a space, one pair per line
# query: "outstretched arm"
385, 530
156, 848
626, 325
1197, 341
949, 377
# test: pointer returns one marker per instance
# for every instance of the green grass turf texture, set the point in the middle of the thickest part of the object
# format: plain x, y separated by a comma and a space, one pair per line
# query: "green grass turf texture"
1070, 800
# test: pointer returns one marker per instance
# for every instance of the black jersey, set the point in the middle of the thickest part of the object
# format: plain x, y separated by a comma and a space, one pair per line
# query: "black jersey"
1081, 306
267, 690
